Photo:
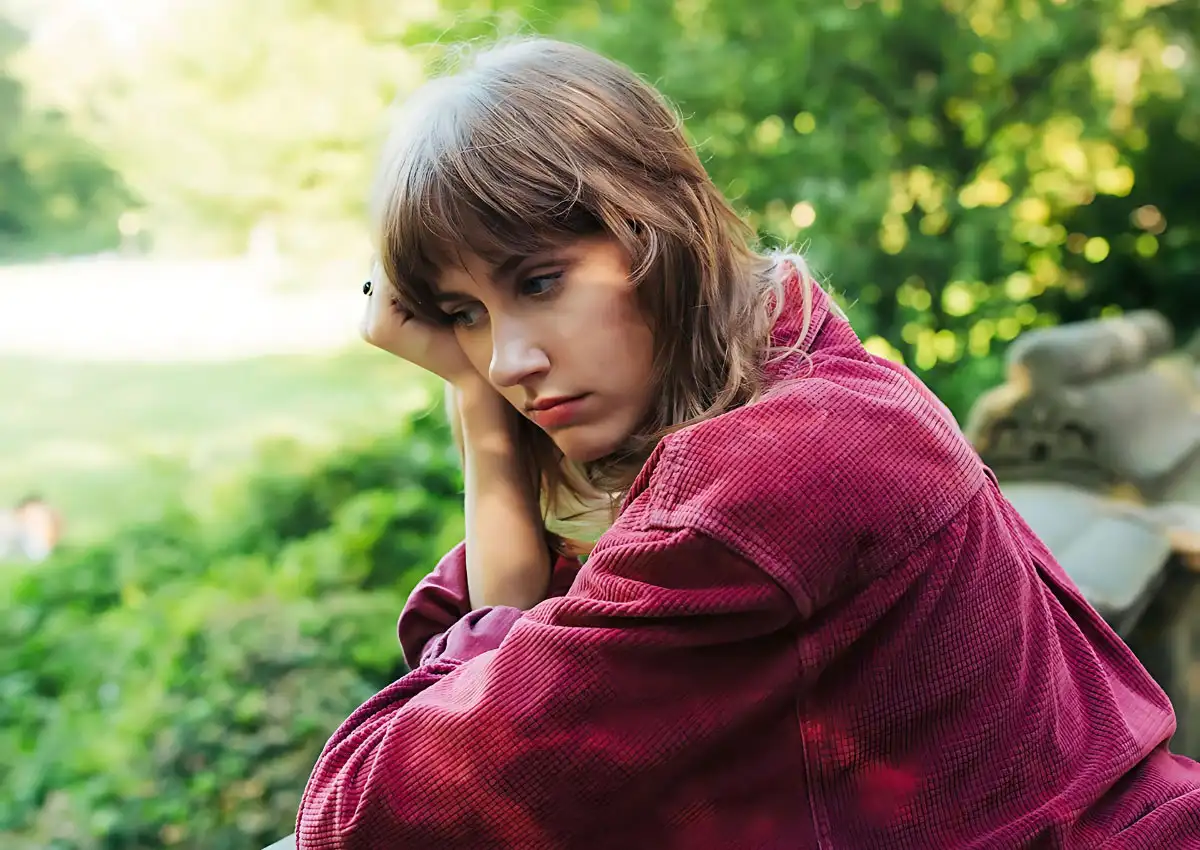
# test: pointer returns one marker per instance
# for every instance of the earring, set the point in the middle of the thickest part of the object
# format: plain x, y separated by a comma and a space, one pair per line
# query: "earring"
367, 288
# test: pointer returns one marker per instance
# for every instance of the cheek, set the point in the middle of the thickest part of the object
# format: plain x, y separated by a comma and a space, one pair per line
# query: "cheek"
636, 345
615, 325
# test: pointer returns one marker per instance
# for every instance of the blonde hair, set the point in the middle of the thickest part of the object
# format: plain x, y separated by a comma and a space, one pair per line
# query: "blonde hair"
534, 142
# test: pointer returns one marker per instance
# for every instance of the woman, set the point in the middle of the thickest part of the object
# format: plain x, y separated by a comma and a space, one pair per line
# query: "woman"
814, 621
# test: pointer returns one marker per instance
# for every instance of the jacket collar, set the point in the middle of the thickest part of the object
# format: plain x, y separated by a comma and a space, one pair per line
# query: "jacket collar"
797, 287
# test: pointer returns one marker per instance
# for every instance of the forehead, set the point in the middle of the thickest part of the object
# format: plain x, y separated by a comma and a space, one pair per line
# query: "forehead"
469, 272
465, 270
464, 263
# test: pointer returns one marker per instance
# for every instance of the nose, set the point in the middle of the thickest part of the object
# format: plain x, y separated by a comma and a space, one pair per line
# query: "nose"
516, 354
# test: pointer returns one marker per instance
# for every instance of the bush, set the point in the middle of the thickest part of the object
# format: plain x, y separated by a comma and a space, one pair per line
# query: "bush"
174, 685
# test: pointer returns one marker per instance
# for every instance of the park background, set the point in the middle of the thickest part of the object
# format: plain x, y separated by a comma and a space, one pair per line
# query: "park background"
249, 493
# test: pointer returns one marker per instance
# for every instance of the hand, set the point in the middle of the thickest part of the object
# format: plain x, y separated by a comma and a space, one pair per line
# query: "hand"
387, 325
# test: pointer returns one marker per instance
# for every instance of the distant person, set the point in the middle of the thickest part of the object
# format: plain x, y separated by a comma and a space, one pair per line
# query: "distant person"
30, 531
813, 621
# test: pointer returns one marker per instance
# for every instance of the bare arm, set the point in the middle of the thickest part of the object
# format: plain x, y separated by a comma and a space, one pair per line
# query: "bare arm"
508, 561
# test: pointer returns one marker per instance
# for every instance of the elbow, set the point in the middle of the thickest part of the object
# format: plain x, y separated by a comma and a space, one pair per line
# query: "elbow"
371, 783
342, 808
320, 824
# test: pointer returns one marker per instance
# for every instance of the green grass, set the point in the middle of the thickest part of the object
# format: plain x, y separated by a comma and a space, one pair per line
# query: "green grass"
108, 442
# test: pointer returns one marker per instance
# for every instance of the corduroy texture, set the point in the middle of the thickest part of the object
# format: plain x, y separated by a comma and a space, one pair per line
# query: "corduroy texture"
816, 624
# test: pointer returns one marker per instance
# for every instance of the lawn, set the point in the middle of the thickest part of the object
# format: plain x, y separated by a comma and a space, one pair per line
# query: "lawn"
108, 441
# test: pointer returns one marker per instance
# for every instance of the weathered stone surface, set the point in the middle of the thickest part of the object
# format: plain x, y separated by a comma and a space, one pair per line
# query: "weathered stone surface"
1087, 351
1096, 407
1088, 534
1095, 438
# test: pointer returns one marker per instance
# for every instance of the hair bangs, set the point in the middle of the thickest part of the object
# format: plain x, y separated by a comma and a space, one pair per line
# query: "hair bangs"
461, 186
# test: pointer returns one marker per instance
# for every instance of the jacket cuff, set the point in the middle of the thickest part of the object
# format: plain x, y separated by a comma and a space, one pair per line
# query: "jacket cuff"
440, 601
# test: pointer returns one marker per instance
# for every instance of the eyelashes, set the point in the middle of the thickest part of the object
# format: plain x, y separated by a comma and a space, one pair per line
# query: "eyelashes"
540, 286
551, 280
461, 318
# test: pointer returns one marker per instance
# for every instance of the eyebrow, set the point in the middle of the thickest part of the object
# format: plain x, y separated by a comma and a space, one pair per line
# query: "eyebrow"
504, 269
509, 265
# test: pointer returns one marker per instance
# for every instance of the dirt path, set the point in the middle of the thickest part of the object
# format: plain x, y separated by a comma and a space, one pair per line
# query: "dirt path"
130, 309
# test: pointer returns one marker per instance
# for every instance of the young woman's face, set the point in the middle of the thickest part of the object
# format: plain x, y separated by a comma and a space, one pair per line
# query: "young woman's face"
561, 337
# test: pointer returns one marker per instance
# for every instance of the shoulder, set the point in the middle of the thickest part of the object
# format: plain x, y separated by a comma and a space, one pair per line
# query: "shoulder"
851, 466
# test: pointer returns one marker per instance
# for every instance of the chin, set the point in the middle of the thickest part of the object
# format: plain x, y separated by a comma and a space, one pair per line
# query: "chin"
582, 447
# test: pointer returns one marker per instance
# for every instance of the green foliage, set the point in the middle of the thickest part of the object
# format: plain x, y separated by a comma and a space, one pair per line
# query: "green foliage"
56, 190
173, 685
958, 170
263, 113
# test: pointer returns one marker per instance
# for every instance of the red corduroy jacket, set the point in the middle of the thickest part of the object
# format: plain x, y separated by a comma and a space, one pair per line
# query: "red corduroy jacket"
817, 623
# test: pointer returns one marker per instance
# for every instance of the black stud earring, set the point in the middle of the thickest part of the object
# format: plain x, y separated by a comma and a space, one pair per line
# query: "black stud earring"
367, 288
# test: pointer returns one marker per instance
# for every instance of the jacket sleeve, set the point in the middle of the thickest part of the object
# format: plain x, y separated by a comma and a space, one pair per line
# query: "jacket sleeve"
612, 693
437, 618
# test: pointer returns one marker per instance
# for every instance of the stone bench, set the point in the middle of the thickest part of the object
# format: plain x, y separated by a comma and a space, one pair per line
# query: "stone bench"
1095, 439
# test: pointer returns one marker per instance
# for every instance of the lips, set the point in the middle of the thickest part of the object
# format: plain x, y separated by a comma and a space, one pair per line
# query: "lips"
542, 404
557, 412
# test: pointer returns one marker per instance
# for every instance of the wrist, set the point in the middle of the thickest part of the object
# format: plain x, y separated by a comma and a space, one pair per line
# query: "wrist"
486, 416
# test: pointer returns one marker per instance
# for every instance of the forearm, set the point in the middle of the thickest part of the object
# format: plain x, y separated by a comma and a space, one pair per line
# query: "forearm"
508, 561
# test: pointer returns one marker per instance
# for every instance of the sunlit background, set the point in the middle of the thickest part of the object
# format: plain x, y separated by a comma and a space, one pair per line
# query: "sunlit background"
246, 493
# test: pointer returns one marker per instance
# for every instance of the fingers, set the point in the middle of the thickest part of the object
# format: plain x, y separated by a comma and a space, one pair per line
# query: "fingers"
400, 312
384, 319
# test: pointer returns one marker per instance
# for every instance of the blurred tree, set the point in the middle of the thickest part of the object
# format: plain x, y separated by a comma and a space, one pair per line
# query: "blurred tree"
994, 165
56, 192
958, 170
224, 115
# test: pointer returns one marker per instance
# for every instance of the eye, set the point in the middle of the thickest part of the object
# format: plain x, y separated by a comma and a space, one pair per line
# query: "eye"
540, 284
466, 317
